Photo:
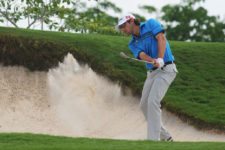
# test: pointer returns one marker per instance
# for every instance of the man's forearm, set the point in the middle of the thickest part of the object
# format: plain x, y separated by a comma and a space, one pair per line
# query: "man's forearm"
161, 50
145, 57
161, 45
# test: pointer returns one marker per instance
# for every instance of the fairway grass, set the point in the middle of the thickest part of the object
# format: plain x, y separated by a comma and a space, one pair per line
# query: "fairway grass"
16, 141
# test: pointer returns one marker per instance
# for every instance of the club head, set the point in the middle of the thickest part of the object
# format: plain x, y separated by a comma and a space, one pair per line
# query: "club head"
122, 54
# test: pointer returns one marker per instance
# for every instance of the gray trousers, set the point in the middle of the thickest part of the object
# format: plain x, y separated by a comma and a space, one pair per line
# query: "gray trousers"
155, 88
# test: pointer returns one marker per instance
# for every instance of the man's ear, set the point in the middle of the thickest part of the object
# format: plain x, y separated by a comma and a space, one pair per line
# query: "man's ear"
132, 20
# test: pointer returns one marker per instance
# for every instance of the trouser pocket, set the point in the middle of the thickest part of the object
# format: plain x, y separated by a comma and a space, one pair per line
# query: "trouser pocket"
170, 68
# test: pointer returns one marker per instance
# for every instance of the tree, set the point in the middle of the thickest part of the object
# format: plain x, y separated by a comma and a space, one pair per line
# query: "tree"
186, 22
10, 11
149, 9
43, 11
36, 11
139, 17
93, 19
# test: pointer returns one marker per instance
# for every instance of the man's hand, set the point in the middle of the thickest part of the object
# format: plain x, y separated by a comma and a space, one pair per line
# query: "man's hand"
159, 62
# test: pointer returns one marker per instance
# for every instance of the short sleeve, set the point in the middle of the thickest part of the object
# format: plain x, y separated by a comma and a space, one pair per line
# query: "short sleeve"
155, 26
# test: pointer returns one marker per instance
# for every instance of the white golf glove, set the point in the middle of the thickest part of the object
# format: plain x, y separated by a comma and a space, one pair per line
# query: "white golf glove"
160, 61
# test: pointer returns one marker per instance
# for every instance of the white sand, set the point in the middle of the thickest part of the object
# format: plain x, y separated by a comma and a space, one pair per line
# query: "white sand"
74, 101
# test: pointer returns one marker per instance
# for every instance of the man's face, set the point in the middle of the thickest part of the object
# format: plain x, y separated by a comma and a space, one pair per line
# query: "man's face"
126, 28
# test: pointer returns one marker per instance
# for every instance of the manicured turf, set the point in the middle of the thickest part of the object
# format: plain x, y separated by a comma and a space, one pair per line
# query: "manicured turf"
198, 93
45, 142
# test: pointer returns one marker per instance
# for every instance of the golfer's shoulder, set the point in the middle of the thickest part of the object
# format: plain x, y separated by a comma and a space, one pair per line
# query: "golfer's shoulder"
152, 22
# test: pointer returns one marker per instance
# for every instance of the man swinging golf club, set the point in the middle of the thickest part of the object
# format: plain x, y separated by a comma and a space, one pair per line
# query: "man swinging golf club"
149, 43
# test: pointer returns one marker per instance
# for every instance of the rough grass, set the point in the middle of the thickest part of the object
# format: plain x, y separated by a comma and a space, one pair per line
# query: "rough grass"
44, 142
197, 95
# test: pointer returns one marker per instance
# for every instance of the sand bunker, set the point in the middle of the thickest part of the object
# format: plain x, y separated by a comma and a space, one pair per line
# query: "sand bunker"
72, 100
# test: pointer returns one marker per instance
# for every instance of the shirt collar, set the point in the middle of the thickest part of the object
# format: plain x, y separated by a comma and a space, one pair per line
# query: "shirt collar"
142, 24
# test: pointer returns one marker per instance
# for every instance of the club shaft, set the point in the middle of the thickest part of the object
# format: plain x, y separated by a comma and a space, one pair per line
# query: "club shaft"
141, 60
122, 54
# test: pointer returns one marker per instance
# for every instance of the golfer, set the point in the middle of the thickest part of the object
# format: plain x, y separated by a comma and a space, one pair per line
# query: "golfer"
148, 42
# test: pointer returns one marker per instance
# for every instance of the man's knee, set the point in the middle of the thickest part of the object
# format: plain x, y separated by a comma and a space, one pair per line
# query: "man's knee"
144, 108
154, 104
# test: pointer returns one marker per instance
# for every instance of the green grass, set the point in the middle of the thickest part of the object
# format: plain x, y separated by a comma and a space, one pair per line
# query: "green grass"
44, 142
198, 93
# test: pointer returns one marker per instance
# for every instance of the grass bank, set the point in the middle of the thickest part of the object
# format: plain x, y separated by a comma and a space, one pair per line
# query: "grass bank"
197, 95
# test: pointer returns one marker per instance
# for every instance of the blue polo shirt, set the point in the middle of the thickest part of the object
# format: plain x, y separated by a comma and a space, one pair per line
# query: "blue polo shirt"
148, 43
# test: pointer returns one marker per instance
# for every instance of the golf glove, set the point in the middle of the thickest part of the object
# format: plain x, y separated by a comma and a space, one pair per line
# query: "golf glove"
160, 61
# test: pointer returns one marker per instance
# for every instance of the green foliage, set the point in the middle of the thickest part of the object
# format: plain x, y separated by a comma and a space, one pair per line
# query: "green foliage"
35, 11
73, 13
139, 17
145, 8
93, 19
149, 9
106, 5
10, 11
191, 2
184, 22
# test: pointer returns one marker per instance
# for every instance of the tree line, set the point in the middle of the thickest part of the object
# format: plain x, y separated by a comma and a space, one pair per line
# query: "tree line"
186, 21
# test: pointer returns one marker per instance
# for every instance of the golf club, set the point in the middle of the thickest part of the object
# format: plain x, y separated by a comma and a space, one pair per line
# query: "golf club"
122, 54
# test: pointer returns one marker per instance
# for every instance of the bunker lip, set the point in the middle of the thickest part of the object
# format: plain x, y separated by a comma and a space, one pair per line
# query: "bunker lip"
72, 100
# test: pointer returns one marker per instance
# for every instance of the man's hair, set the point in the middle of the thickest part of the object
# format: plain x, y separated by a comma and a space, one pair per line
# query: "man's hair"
136, 22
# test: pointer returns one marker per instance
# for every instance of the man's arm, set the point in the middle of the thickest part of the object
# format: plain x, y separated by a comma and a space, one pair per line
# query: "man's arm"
161, 45
146, 57
161, 50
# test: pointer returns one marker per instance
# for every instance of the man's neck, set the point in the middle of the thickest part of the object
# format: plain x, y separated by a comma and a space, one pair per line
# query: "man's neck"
136, 31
